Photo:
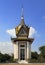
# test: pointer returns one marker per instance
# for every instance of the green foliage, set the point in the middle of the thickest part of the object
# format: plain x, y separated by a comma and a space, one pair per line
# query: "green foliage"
42, 51
1, 56
12, 58
5, 58
42, 54
34, 55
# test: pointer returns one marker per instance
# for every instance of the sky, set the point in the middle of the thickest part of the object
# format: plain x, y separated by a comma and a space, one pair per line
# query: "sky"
10, 17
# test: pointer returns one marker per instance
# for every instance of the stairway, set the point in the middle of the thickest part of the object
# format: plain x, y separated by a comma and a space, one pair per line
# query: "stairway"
22, 62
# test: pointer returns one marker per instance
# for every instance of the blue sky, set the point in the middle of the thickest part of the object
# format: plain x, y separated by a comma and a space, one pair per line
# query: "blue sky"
34, 15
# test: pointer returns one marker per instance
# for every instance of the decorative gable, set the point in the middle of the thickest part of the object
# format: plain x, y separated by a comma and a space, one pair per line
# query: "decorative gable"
22, 32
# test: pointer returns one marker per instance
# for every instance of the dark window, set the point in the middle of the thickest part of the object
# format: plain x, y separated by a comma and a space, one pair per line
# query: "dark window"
22, 54
22, 45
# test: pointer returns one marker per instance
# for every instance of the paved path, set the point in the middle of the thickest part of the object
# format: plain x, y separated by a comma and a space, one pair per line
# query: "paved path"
22, 64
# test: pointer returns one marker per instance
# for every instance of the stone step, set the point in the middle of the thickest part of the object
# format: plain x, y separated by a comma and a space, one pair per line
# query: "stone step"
23, 62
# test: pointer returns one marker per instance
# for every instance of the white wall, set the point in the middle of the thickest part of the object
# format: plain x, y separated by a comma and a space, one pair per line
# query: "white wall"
28, 50
16, 50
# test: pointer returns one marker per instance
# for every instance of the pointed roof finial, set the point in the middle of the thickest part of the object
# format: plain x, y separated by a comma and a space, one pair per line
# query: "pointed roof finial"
22, 17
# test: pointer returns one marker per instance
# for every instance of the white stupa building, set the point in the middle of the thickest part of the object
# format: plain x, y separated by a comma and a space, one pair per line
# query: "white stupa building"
22, 43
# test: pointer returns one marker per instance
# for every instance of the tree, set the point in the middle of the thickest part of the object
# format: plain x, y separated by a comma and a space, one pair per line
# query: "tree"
1, 57
12, 58
4, 57
34, 55
42, 53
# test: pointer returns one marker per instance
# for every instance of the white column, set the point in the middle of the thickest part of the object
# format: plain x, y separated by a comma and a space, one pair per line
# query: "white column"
27, 50
16, 50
